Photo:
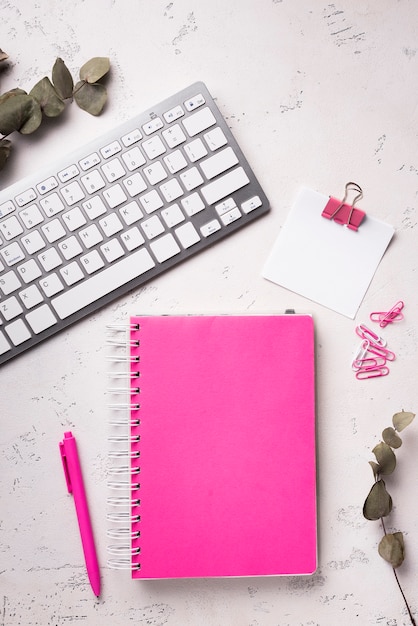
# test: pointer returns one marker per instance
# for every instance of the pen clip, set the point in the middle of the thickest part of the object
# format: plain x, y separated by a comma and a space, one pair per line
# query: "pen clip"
65, 466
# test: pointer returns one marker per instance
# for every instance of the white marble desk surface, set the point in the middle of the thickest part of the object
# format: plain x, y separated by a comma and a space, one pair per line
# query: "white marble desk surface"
317, 94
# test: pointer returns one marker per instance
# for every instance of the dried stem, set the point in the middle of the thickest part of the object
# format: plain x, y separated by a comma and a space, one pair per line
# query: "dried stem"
411, 617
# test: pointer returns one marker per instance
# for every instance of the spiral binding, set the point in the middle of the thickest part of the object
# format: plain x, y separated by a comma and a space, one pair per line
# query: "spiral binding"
124, 502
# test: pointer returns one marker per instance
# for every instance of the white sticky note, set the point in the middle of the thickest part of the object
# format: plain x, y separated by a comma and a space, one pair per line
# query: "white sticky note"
325, 261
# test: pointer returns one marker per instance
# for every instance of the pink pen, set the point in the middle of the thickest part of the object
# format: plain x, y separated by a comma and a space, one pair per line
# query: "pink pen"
74, 478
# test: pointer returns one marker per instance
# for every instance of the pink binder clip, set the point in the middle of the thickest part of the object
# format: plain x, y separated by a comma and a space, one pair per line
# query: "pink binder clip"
394, 315
343, 213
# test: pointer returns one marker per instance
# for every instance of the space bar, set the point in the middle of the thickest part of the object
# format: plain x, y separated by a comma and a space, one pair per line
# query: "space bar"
99, 285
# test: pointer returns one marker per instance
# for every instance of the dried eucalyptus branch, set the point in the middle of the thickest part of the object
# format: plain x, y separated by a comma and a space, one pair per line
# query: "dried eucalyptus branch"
23, 112
378, 503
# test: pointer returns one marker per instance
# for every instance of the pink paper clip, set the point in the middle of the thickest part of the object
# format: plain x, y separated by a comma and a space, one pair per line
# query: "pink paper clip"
369, 363
372, 372
394, 315
378, 350
360, 354
365, 333
343, 213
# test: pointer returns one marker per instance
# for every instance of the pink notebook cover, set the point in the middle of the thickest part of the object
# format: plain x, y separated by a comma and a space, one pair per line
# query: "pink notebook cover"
227, 446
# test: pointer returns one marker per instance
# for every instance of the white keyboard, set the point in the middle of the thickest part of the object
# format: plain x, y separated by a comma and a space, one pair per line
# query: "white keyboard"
117, 213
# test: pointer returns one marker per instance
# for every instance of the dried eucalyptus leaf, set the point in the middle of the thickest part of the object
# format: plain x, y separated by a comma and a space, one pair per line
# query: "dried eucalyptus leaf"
392, 549
20, 112
5, 146
385, 457
95, 69
62, 79
90, 98
375, 467
11, 94
44, 92
391, 437
402, 419
378, 503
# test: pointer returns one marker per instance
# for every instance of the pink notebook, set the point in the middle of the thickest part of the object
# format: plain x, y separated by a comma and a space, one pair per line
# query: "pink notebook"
223, 472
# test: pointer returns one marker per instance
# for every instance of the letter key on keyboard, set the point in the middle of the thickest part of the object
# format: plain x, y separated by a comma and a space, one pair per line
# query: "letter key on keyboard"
118, 212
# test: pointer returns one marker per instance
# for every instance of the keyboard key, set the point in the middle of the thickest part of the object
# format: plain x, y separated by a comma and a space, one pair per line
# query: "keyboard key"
187, 235
92, 262
74, 219
151, 201
47, 185
231, 216
10, 228
193, 204
10, 308
191, 178
72, 273
195, 150
251, 204
165, 248
199, 121
171, 190
93, 181
29, 271
12, 254
175, 162
225, 206
112, 250
6, 208
4, 344
132, 238
50, 259
68, 173
111, 149
154, 147
72, 193
102, 284
111, 224
133, 159
89, 161
219, 163
53, 231
94, 207
225, 185
51, 285
153, 125
9, 283
90, 236
113, 170
215, 139
52, 204
155, 173
33, 242
31, 216
195, 102
172, 215
173, 114
41, 319
25, 197
211, 227
153, 227
135, 184
70, 248
130, 138
131, 213
31, 296
18, 332
114, 196
174, 136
